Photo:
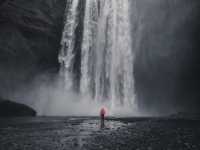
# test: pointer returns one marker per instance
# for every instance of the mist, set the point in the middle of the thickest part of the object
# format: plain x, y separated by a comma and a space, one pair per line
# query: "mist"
167, 39
47, 95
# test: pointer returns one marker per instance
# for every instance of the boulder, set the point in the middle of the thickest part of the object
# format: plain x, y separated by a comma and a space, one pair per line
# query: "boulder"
13, 109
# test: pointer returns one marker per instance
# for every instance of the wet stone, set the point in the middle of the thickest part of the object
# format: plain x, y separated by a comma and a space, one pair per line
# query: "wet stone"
86, 135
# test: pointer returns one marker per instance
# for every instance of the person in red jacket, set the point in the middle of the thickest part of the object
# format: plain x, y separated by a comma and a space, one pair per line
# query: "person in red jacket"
102, 116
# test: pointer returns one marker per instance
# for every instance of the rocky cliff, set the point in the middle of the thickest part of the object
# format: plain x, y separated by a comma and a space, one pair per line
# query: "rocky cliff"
166, 39
30, 33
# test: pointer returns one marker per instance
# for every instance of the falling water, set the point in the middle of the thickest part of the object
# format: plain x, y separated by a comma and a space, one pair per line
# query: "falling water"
66, 56
107, 58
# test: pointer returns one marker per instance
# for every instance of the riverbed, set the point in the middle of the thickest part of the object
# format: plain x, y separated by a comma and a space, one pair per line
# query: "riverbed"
84, 133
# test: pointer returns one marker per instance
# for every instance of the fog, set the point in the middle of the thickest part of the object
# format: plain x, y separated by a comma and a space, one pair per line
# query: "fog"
167, 38
47, 95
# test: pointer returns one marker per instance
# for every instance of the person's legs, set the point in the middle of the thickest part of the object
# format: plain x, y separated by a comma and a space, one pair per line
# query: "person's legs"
102, 121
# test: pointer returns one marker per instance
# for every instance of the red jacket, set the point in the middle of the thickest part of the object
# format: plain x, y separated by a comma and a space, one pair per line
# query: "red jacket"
102, 112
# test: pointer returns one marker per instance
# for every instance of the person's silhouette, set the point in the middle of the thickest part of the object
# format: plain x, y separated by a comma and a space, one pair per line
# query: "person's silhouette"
102, 116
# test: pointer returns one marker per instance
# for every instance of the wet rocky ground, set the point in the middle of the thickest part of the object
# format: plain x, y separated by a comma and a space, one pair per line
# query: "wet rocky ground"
84, 133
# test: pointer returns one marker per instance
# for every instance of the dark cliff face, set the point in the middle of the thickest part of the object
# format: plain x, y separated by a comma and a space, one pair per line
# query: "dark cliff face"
166, 38
167, 68
30, 33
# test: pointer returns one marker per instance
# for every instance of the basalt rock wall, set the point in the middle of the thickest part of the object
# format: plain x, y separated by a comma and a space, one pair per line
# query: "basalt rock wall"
30, 33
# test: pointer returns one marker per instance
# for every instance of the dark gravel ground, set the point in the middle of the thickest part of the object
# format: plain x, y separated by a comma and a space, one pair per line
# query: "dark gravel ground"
84, 133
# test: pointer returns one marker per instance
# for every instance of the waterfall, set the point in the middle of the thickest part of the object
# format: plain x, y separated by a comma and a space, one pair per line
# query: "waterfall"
107, 57
66, 56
